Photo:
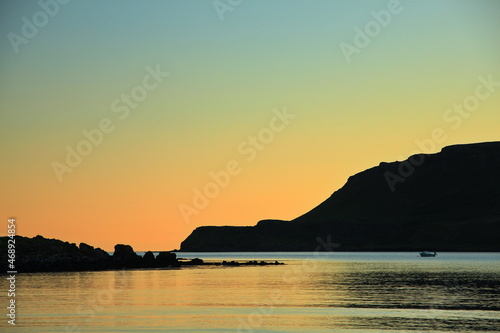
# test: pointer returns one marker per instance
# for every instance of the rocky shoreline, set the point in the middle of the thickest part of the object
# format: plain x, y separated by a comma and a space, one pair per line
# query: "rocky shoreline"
39, 254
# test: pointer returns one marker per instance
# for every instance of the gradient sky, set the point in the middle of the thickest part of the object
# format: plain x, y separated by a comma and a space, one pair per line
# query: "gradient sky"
225, 79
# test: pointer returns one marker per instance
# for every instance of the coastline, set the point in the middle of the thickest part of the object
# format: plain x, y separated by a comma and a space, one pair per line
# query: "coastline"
40, 254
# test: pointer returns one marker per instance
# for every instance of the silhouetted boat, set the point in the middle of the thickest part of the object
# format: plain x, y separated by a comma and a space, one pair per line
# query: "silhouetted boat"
428, 254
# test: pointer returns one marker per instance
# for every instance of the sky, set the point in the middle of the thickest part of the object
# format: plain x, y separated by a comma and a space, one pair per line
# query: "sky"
135, 122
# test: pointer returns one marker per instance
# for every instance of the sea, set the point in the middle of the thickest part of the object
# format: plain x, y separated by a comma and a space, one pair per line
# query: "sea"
312, 292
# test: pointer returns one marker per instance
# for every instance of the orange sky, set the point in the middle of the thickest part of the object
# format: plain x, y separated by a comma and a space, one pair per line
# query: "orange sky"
155, 97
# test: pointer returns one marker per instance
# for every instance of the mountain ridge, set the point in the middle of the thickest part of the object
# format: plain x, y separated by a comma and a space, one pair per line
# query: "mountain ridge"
446, 201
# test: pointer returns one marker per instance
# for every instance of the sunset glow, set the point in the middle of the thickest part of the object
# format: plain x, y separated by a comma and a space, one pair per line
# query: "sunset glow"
133, 123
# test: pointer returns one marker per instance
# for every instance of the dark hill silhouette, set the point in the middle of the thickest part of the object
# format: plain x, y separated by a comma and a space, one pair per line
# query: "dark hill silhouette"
449, 201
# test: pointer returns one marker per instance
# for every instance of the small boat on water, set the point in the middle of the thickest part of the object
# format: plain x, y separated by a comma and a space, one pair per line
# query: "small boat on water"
428, 254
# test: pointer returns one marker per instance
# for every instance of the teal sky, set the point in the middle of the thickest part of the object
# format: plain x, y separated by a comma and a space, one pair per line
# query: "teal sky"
225, 79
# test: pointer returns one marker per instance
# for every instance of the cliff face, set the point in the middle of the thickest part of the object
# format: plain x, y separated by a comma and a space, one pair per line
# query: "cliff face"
444, 201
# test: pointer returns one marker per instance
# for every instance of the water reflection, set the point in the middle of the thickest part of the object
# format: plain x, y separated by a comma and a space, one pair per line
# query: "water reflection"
317, 296
413, 289
396, 296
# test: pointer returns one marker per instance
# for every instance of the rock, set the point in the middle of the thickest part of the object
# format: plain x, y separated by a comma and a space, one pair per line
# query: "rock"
165, 259
195, 261
148, 260
100, 254
123, 251
125, 257
85, 248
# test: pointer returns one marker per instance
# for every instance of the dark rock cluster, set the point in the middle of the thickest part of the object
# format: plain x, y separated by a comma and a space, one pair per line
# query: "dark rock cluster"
39, 254
250, 263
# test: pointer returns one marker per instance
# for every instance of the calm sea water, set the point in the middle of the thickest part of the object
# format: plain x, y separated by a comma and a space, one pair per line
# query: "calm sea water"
340, 292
